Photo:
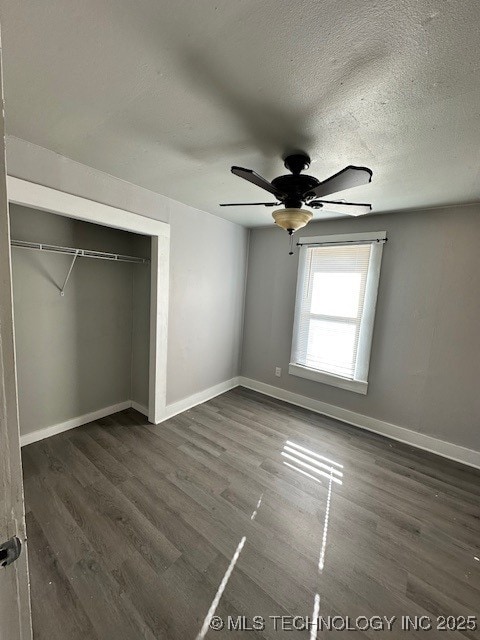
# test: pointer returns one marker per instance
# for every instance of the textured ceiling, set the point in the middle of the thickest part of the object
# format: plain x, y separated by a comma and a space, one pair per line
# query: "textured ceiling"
169, 94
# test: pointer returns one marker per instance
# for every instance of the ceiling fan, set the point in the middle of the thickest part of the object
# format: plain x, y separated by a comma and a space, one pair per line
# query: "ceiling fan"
295, 190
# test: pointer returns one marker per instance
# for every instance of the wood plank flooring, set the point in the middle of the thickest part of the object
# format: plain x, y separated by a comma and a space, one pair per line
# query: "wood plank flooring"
132, 527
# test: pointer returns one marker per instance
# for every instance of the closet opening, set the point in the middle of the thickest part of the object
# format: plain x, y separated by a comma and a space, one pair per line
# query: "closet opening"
90, 311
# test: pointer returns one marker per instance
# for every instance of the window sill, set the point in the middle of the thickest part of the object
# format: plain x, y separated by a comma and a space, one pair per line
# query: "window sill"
357, 386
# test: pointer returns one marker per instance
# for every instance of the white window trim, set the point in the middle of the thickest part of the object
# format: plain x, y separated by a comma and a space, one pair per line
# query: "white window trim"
358, 386
360, 382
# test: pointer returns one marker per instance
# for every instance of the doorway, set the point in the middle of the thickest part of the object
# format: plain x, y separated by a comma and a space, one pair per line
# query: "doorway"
44, 199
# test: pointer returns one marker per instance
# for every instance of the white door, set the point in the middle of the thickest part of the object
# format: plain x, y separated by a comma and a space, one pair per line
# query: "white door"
15, 618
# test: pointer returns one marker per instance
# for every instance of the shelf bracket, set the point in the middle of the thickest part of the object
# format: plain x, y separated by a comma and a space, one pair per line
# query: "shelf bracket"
62, 290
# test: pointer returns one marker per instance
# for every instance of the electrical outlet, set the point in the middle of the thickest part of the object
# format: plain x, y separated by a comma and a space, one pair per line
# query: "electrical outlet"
278, 372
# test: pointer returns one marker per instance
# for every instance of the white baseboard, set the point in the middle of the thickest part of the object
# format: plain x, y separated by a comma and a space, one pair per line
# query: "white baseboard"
139, 407
171, 410
46, 432
401, 434
421, 441
197, 398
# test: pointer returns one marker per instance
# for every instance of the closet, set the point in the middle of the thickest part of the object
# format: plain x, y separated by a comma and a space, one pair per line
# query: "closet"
82, 316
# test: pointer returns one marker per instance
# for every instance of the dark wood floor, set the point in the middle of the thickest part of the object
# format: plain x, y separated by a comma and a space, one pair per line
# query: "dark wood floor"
132, 527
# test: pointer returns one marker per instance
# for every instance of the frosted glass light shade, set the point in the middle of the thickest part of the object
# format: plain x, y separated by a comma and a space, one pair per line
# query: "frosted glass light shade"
292, 219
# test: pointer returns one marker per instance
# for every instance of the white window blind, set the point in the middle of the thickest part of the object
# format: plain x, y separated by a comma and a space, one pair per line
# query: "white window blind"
336, 296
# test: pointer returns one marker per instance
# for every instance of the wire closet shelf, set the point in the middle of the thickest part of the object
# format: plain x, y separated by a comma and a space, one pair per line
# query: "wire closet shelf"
84, 253
77, 253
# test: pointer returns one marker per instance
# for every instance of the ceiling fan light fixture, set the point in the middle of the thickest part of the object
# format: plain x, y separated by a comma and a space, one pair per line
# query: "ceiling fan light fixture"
292, 219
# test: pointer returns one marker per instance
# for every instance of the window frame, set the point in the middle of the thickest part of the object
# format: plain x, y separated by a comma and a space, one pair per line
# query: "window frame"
359, 383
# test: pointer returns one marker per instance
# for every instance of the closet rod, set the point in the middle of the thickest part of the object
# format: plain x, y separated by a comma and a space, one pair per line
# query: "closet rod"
84, 253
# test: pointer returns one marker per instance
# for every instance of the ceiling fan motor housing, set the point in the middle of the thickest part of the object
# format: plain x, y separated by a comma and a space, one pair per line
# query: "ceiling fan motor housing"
294, 186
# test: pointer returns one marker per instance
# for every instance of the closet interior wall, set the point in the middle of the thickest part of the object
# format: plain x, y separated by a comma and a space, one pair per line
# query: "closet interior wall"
87, 350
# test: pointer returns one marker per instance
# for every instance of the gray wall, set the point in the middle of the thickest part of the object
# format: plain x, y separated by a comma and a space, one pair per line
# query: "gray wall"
425, 363
207, 285
74, 353
207, 266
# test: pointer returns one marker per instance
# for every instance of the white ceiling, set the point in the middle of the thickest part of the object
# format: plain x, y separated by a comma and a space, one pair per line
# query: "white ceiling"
168, 94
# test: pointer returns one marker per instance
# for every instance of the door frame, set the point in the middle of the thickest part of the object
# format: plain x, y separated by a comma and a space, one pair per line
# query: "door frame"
15, 610
40, 197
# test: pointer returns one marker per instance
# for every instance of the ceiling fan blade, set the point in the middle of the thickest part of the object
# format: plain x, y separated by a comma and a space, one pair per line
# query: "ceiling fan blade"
249, 204
345, 179
254, 178
337, 206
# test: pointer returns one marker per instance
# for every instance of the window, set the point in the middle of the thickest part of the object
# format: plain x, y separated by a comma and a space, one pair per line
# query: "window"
335, 308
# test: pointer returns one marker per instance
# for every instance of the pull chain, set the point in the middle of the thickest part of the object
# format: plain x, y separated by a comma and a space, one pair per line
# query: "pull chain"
290, 253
